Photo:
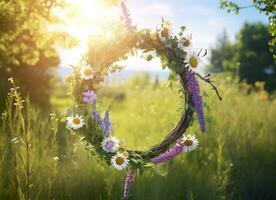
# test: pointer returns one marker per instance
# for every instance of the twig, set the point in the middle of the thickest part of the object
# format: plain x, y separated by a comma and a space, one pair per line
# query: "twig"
244, 7
208, 80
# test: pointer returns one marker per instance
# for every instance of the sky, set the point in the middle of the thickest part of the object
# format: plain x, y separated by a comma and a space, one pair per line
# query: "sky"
202, 18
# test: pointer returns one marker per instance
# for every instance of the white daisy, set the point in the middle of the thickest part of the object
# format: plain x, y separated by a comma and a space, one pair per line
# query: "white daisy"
119, 161
110, 144
193, 59
86, 73
185, 43
164, 32
75, 122
190, 142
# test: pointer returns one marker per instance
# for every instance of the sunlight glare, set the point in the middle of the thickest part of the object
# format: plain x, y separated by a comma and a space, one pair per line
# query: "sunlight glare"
87, 17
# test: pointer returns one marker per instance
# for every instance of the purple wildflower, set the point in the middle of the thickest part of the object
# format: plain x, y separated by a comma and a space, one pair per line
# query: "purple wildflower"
103, 123
129, 180
193, 89
126, 16
171, 153
109, 146
89, 96
107, 124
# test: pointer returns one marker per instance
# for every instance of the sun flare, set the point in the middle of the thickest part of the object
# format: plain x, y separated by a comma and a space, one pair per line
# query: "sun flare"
87, 17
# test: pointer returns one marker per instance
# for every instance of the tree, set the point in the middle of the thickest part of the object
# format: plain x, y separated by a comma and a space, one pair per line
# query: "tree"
268, 7
28, 47
221, 55
255, 60
248, 57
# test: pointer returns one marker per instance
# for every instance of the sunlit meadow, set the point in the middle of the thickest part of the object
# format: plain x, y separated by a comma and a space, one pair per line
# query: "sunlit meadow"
41, 159
235, 159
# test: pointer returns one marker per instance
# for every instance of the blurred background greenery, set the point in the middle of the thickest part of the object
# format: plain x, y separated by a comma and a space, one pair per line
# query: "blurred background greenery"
236, 158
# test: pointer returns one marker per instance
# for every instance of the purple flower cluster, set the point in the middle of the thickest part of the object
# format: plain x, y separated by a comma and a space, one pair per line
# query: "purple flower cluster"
171, 153
89, 96
193, 89
106, 122
126, 17
129, 180
103, 123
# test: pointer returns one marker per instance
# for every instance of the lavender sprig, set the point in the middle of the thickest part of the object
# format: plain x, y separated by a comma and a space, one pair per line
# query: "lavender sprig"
126, 19
107, 124
103, 123
193, 89
129, 180
171, 153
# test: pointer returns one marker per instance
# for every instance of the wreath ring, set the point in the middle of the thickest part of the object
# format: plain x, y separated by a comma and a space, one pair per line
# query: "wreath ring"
175, 53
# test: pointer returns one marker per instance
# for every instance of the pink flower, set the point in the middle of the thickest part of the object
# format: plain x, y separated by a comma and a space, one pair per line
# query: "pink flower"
129, 180
171, 153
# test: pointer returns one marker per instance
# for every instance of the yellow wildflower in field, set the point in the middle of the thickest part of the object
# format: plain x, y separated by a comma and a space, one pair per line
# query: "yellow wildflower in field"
69, 79
260, 85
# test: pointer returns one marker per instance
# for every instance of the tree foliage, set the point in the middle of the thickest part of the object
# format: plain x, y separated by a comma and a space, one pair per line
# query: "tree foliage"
268, 7
255, 60
222, 55
248, 57
28, 45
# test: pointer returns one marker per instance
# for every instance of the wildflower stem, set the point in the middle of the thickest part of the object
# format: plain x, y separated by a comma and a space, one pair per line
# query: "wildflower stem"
208, 80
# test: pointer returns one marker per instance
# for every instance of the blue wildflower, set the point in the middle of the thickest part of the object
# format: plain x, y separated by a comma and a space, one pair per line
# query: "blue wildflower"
104, 124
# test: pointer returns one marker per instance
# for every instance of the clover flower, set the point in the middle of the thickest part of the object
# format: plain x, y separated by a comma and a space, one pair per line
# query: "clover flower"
129, 180
110, 144
171, 153
89, 96
193, 89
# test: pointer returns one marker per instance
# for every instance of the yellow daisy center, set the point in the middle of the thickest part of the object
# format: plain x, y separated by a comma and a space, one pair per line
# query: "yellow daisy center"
188, 142
87, 72
119, 160
76, 120
193, 62
186, 43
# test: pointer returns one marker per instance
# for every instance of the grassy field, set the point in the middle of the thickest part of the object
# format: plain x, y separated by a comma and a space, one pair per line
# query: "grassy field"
236, 158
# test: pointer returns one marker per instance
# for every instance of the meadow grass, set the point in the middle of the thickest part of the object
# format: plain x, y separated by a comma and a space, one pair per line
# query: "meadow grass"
236, 158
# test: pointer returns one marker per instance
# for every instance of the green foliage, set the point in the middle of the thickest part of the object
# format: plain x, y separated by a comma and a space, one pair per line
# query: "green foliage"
140, 80
263, 6
28, 46
222, 56
235, 159
254, 56
248, 57
28, 148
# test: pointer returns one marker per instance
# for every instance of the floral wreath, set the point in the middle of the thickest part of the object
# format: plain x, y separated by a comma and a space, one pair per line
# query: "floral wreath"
83, 119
